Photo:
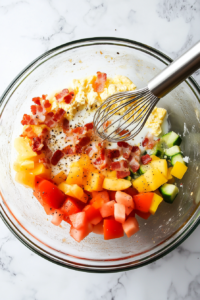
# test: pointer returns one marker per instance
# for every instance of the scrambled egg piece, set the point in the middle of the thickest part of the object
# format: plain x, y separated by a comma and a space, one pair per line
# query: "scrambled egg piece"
155, 120
85, 96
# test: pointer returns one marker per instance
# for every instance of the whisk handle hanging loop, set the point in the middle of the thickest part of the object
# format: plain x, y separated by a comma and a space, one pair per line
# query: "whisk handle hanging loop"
176, 72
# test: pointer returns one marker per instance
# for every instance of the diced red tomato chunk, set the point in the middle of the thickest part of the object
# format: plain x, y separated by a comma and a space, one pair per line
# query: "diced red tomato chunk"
130, 226
124, 199
92, 214
119, 212
112, 195
143, 215
100, 199
78, 220
98, 229
50, 194
131, 191
128, 210
112, 229
70, 206
143, 201
57, 217
107, 209
80, 234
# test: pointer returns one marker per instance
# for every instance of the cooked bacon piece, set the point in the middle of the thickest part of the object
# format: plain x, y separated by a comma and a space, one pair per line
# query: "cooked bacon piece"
68, 98
125, 149
99, 84
102, 160
29, 120
65, 125
134, 158
59, 97
119, 165
44, 135
36, 100
69, 150
123, 132
89, 126
134, 164
135, 149
36, 144
149, 142
145, 159
49, 121
48, 154
58, 114
78, 130
113, 153
56, 157
29, 133
81, 144
91, 149
122, 174
106, 124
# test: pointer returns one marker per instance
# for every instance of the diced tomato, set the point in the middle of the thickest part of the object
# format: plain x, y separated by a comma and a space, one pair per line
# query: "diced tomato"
146, 159
57, 217
50, 194
143, 201
112, 195
94, 193
131, 191
130, 226
124, 199
143, 215
78, 220
98, 229
107, 209
70, 206
92, 214
67, 219
48, 210
119, 212
80, 234
112, 229
128, 210
100, 199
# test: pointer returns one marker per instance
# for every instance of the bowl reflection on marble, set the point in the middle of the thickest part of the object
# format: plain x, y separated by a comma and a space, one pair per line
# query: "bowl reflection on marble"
22, 213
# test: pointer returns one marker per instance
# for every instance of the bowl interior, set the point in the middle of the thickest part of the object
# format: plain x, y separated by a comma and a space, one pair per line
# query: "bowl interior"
54, 72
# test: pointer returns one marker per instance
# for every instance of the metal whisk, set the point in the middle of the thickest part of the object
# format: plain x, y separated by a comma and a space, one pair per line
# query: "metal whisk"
123, 115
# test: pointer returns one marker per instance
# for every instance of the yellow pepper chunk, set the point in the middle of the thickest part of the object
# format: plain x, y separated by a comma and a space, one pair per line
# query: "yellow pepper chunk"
23, 148
115, 184
60, 177
161, 165
74, 191
179, 170
25, 178
39, 169
154, 179
141, 185
75, 175
94, 182
20, 165
154, 157
169, 175
157, 199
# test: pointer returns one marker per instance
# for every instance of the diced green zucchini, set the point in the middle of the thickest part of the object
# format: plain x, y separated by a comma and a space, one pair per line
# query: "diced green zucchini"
134, 175
177, 157
144, 168
169, 192
172, 151
128, 178
171, 139
157, 150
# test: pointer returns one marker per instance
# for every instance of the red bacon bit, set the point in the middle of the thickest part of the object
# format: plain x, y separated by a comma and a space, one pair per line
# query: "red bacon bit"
113, 153
149, 141
106, 124
122, 174
119, 165
49, 120
36, 100
78, 130
62, 94
134, 164
59, 114
56, 157
123, 132
145, 142
89, 126
135, 149
28, 120
29, 133
102, 161
99, 84
68, 99
36, 144
68, 150
65, 125
145, 159
82, 143
125, 149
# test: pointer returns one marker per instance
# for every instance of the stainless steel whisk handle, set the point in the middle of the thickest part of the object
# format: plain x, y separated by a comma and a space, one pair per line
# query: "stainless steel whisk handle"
176, 72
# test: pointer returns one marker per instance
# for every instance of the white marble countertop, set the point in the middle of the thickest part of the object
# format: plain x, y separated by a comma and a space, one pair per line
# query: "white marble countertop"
31, 27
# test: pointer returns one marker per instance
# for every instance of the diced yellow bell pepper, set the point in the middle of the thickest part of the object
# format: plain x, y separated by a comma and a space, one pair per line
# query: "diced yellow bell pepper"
23, 148
161, 165
37, 158
23, 165
74, 191
113, 184
179, 170
60, 177
75, 175
25, 178
109, 174
94, 182
169, 175
141, 185
154, 157
154, 179
39, 169
157, 199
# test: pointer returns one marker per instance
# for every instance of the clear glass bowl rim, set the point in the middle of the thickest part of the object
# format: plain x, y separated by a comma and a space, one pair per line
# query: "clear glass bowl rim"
3, 101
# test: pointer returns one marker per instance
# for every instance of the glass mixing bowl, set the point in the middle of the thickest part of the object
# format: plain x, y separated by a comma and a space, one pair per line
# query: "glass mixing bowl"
23, 214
